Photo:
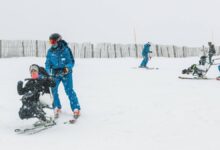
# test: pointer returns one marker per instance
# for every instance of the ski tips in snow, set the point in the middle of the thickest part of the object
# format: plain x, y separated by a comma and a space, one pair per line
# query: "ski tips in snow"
147, 68
197, 78
71, 121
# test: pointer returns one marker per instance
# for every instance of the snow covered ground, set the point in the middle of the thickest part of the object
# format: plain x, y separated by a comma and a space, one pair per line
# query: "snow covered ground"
122, 107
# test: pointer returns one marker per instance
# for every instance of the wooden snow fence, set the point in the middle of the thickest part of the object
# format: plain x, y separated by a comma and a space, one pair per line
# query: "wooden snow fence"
37, 48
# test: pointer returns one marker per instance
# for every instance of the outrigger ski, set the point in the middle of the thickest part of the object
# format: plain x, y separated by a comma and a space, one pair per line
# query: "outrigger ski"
35, 128
32, 130
41, 126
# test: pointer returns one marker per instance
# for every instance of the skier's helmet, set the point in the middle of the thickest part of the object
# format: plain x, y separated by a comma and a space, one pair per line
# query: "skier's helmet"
148, 44
34, 71
202, 60
34, 67
54, 38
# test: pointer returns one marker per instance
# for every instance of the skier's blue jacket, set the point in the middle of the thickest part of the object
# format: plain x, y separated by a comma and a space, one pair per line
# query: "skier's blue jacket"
146, 50
59, 58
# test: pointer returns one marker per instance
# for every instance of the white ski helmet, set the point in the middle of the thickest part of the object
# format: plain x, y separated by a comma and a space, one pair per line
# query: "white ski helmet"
34, 67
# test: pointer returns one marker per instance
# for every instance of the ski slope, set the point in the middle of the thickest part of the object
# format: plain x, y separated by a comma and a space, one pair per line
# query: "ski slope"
122, 107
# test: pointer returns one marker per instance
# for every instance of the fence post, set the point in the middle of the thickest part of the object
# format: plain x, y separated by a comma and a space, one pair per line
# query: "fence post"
129, 51
84, 51
108, 55
168, 53
0, 48
174, 51
157, 50
218, 50
184, 51
115, 50
161, 51
92, 47
135, 46
36, 48
45, 47
121, 52
22, 44
100, 54
74, 50
203, 49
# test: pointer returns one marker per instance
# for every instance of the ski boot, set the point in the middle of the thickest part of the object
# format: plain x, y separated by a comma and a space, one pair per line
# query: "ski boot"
76, 113
57, 112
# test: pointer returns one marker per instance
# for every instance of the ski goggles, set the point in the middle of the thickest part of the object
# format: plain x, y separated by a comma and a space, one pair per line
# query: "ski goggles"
53, 42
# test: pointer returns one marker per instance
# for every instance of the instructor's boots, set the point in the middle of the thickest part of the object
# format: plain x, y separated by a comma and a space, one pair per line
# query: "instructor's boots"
76, 113
57, 112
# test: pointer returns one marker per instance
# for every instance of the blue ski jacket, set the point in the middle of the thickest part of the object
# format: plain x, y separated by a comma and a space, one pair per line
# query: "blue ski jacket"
59, 58
146, 50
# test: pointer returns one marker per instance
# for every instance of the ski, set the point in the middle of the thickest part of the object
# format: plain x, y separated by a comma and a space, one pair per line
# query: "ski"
196, 78
25, 130
152, 68
147, 68
35, 128
31, 130
71, 121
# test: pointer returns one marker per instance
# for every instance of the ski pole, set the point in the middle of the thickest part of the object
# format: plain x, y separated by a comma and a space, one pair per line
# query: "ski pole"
208, 69
51, 94
216, 64
216, 59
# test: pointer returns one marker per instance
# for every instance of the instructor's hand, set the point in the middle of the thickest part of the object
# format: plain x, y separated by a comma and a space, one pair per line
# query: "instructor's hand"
65, 70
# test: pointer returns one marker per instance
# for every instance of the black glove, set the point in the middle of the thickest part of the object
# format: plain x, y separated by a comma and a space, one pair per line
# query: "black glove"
20, 87
49, 82
184, 71
20, 84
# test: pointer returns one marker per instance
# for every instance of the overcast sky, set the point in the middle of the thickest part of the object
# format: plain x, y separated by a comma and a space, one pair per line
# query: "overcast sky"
179, 22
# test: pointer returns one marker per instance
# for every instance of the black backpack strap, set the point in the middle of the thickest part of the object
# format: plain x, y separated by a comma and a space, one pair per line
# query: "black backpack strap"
71, 55
43, 71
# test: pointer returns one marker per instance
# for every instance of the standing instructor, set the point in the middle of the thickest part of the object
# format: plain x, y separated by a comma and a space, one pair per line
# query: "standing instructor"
59, 64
